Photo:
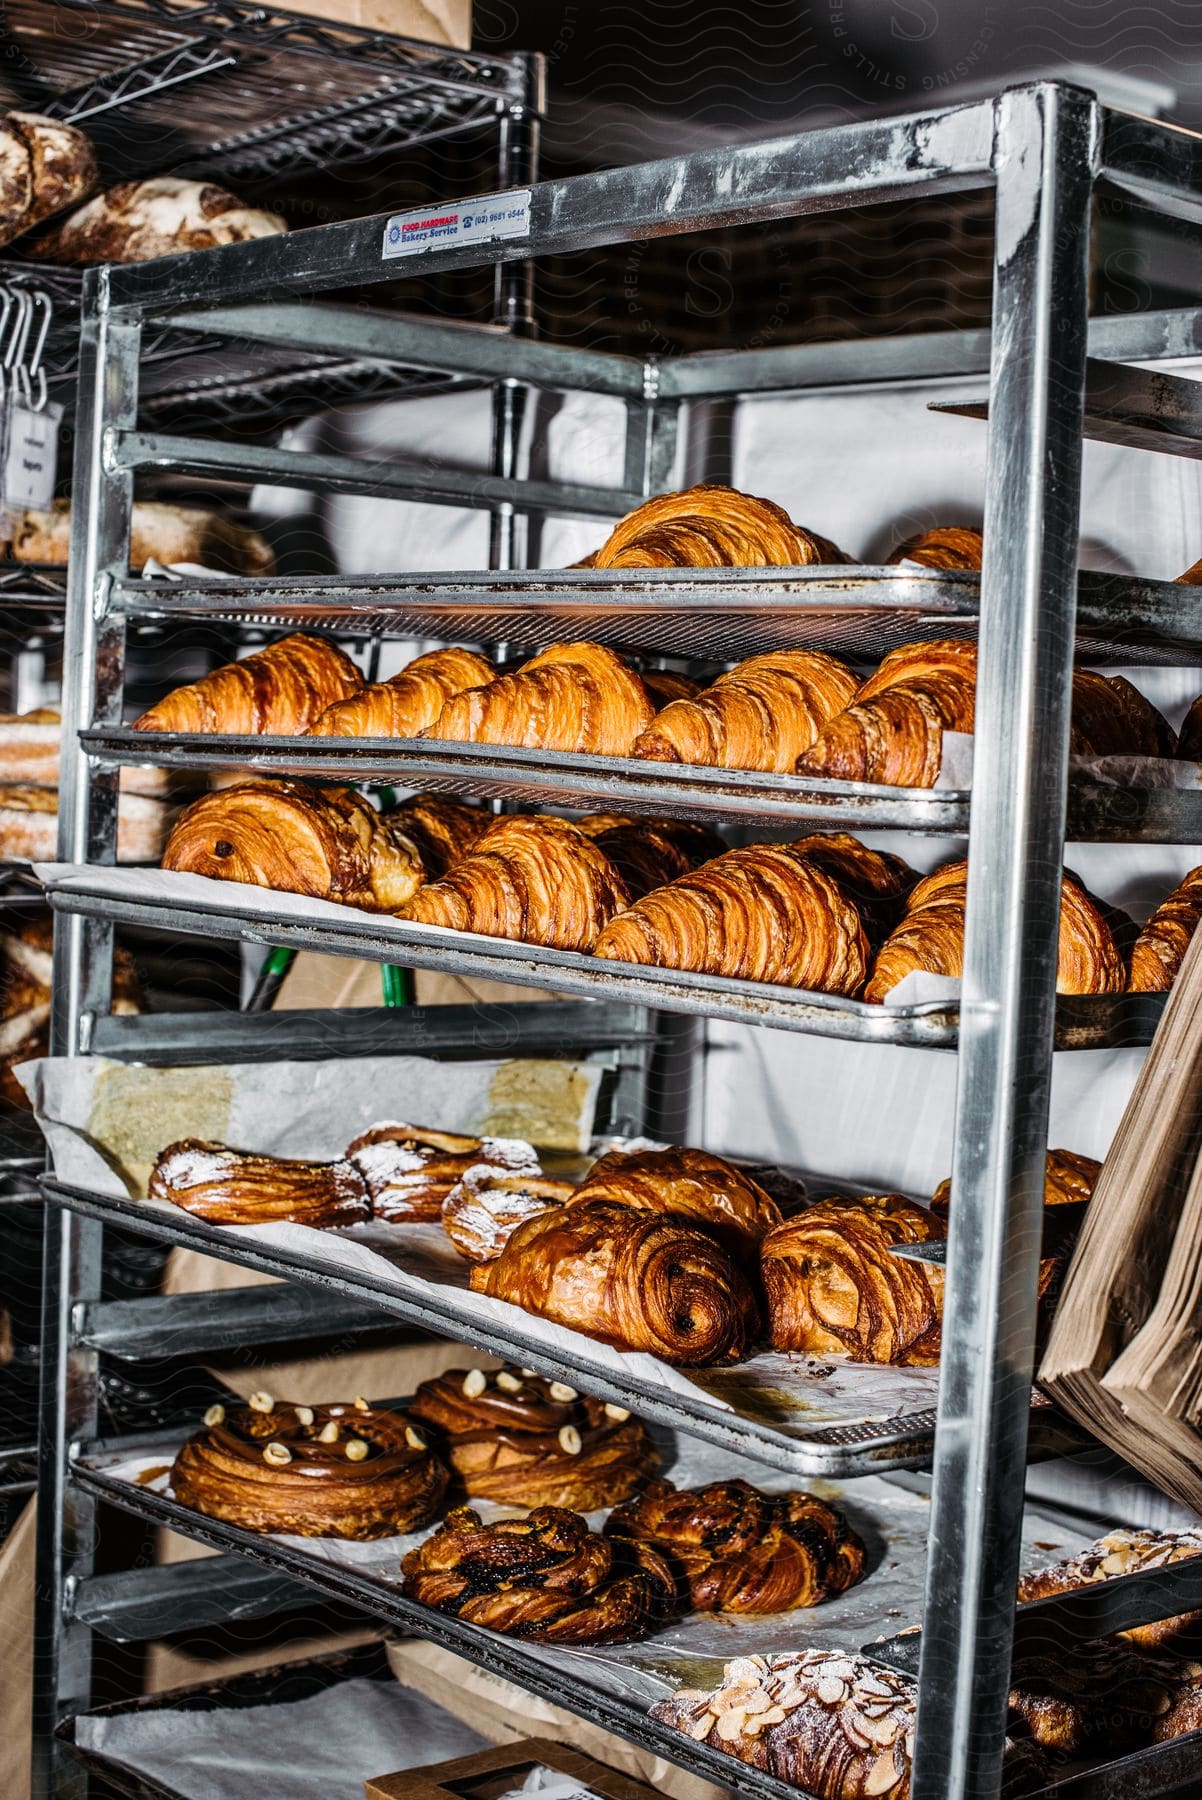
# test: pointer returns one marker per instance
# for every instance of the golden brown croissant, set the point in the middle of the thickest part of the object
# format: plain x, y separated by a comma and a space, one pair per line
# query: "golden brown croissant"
892, 732
640, 1280
1112, 718
407, 702
762, 715
485, 1207
442, 829
239, 1187
834, 1288
1189, 741
735, 1549
348, 1471
1069, 1181
942, 547
711, 527
666, 685
875, 880
648, 853
764, 913
521, 1440
538, 880
328, 843
572, 697
546, 1577
709, 1190
277, 692
931, 937
409, 1170
1161, 945
1193, 575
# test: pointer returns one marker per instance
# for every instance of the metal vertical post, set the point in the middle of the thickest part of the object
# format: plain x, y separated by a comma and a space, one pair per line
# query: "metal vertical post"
1045, 159
513, 308
93, 680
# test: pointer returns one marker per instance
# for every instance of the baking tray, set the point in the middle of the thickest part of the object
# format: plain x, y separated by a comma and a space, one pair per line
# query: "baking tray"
193, 904
861, 611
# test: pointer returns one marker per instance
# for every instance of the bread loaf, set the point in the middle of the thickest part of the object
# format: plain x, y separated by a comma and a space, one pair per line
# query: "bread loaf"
137, 220
44, 166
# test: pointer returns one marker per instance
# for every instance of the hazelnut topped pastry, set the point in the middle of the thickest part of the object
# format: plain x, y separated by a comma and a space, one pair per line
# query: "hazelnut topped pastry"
520, 1439
345, 1470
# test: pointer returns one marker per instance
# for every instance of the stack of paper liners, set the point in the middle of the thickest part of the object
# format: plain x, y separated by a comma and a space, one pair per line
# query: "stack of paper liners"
1125, 1353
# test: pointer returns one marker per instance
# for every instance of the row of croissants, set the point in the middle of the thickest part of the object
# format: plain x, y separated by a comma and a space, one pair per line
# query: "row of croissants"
676, 1252
825, 913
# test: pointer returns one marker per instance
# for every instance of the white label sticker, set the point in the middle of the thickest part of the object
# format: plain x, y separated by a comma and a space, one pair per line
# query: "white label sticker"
31, 456
461, 222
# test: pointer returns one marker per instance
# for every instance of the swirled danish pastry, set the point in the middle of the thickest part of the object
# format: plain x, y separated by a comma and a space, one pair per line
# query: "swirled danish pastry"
239, 1187
762, 715
573, 697
546, 1577
736, 1549
407, 702
706, 1189
408, 1170
521, 1440
278, 692
486, 1206
892, 732
640, 1280
349, 1471
711, 526
1161, 946
834, 1288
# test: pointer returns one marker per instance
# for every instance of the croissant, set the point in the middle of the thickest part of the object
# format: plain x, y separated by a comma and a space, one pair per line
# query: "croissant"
764, 913
892, 733
573, 697
761, 715
1099, 1697
238, 1187
297, 839
1069, 1181
931, 937
711, 527
277, 692
875, 880
649, 853
1112, 718
442, 829
546, 1577
942, 547
538, 880
666, 685
1126, 1551
735, 1549
834, 1288
640, 1280
408, 1170
710, 1191
1189, 739
520, 1440
1161, 945
484, 1208
314, 1471
406, 703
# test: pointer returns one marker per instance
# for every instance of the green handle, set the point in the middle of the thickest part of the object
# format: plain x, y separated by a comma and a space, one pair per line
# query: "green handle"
398, 985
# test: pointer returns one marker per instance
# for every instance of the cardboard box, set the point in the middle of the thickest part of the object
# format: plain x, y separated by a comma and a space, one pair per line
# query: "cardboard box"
490, 1773
433, 21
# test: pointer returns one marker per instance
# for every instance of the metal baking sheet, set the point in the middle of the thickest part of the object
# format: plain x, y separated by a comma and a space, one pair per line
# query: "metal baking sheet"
861, 611
195, 904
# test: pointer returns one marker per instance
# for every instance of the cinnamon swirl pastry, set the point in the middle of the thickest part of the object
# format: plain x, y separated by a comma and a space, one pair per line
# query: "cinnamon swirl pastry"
546, 1577
278, 692
711, 527
1161, 946
407, 702
706, 1189
649, 853
521, 1440
640, 1280
892, 733
485, 1207
942, 547
408, 1170
350, 1471
573, 697
762, 715
735, 1549
834, 1288
238, 1187
295, 839
1127, 1551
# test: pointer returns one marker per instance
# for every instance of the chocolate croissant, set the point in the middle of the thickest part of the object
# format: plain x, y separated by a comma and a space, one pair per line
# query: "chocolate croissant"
1161, 946
520, 1440
546, 1577
706, 1189
573, 697
538, 880
931, 937
942, 547
762, 715
408, 1170
892, 733
1069, 1181
239, 1187
648, 853
328, 843
764, 913
348, 1471
486, 1206
640, 1280
834, 1288
735, 1549
407, 702
278, 692
711, 527
1126, 1551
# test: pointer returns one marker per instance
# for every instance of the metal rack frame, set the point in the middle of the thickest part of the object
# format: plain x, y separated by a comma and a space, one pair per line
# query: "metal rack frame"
1042, 147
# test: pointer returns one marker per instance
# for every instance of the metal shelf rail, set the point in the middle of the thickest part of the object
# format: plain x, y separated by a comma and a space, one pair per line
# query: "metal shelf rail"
1041, 147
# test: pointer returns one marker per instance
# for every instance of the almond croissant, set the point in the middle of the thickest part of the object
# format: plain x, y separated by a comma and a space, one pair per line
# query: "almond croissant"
324, 842
892, 732
407, 702
240, 1187
762, 715
277, 692
538, 880
931, 937
572, 697
764, 913
711, 527
1164, 940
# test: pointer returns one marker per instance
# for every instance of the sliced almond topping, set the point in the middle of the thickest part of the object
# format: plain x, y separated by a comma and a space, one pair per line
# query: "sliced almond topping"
616, 1412
569, 1440
559, 1390
831, 1691
730, 1725
276, 1454
215, 1414
304, 1414
328, 1433
509, 1384
414, 1439
474, 1384
883, 1776
261, 1402
356, 1449
362, 1405
775, 1715
701, 1728
528, 1373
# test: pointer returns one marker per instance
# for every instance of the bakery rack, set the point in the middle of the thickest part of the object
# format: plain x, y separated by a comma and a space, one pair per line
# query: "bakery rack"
1042, 148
